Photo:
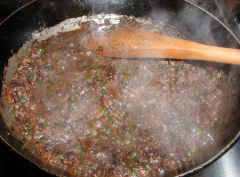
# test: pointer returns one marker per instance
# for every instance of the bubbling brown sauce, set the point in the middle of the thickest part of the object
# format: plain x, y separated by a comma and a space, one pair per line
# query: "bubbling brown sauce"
92, 116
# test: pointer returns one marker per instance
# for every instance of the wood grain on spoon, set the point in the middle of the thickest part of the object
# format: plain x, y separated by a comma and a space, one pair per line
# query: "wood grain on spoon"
127, 42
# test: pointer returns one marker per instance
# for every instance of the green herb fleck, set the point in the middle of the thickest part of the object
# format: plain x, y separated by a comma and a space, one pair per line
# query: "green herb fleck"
103, 91
189, 154
62, 27
107, 129
29, 132
212, 79
42, 51
82, 65
45, 124
147, 166
81, 153
94, 167
105, 112
168, 135
78, 89
171, 81
101, 82
33, 146
119, 132
21, 99
61, 156
50, 69
131, 165
153, 67
86, 137
48, 88
95, 67
123, 68
99, 48
42, 67
87, 76
132, 155
95, 76
71, 90
90, 124
29, 123
13, 112
179, 67
112, 121
40, 81
32, 74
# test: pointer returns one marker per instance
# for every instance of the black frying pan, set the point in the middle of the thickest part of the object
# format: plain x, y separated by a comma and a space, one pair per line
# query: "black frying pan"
43, 13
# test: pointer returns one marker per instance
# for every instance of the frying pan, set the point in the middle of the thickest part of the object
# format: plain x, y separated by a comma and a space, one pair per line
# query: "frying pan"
186, 18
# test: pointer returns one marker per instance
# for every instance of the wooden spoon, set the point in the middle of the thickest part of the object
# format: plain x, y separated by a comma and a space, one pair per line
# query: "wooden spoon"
127, 42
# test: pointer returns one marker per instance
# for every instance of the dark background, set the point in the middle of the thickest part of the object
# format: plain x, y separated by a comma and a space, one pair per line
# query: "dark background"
11, 164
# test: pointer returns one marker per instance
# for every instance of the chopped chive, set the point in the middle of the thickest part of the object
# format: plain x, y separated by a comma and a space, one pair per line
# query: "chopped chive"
45, 124
29, 123
112, 121
43, 52
90, 124
123, 68
119, 132
95, 76
78, 89
51, 69
82, 65
33, 146
21, 99
48, 88
62, 27
94, 167
212, 79
133, 156
13, 112
171, 81
71, 90
103, 91
40, 81
168, 135
99, 97
101, 82
86, 137
107, 129
29, 132
61, 156
81, 153
42, 67
95, 67
87, 76
32, 74
179, 67
105, 112
99, 48
131, 165
189, 154
147, 166
153, 67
